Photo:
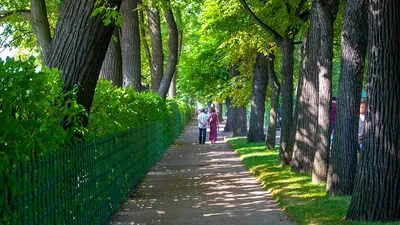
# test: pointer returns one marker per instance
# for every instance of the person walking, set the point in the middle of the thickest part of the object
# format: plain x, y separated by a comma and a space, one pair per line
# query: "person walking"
213, 121
361, 126
202, 120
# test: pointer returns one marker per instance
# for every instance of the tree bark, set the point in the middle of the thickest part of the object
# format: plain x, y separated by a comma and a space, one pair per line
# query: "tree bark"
286, 150
229, 121
239, 121
307, 100
157, 58
237, 114
130, 42
343, 161
259, 91
40, 25
112, 64
78, 48
273, 112
172, 52
172, 86
376, 193
327, 10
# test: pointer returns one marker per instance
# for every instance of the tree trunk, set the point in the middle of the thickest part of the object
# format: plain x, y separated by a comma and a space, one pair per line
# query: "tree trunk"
287, 99
343, 161
239, 121
112, 64
78, 48
172, 52
307, 100
273, 112
259, 91
40, 25
229, 121
130, 42
218, 110
376, 192
143, 37
172, 87
157, 58
327, 10
238, 114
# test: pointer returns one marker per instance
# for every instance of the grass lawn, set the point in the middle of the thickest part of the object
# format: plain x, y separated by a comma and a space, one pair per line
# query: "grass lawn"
306, 203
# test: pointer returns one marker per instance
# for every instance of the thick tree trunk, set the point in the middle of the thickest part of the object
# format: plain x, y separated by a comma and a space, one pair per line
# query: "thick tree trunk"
259, 92
112, 64
286, 149
172, 52
229, 121
157, 58
239, 121
130, 42
237, 114
78, 48
307, 100
343, 161
376, 193
327, 10
273, 112
172, 87
40, 25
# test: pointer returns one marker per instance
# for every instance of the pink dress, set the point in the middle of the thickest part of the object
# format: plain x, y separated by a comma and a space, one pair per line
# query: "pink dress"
212, 119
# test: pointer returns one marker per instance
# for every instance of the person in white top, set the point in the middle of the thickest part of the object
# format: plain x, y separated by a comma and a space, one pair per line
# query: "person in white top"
361, 125
202, 120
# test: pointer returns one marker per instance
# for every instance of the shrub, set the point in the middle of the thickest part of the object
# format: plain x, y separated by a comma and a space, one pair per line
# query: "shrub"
32, 107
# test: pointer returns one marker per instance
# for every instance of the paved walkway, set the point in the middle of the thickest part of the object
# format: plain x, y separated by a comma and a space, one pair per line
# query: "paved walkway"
200, 185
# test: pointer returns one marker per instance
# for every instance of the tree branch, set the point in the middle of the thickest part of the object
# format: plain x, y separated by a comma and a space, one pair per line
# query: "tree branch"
143, 33
300, 7
278, 38
288, 7
40, 25
24, 12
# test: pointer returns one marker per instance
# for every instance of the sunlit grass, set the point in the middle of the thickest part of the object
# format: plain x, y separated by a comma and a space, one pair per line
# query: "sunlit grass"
305, 203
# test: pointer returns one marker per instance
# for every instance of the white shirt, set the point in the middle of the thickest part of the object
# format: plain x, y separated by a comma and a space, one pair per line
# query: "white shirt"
361, 125
202, 119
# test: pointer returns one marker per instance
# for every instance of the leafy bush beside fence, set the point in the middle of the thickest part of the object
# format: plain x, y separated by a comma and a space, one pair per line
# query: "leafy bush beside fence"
86, 183
32, 106
45, 180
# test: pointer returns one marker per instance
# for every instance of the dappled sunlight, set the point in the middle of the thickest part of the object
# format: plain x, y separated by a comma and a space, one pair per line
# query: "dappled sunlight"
301, 198
206, 181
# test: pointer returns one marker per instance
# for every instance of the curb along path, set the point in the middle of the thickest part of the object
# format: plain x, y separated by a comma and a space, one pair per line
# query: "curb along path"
197, 184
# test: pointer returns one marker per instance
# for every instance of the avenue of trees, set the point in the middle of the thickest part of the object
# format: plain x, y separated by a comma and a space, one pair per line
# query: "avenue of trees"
292, 54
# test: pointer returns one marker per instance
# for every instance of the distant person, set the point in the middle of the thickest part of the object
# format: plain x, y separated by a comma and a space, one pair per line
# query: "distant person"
213, 121
202, 120
333, 113
361, 126
333, 119
279, 117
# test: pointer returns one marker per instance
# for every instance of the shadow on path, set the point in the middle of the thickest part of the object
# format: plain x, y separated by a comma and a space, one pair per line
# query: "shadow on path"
200, 185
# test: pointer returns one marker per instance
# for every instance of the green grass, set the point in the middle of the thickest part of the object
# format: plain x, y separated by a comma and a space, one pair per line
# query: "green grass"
305, 203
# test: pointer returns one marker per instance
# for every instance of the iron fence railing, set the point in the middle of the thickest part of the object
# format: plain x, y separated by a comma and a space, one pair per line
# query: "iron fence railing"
86, 183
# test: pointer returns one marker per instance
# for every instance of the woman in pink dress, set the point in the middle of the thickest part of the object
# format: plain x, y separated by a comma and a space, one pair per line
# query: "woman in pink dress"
213, 121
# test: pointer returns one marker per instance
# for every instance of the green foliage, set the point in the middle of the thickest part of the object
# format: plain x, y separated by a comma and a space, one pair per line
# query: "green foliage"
108, 13
115, 109
32, 107
17, 31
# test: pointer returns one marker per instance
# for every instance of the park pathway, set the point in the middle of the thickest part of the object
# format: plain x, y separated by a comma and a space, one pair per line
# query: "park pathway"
197, 184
